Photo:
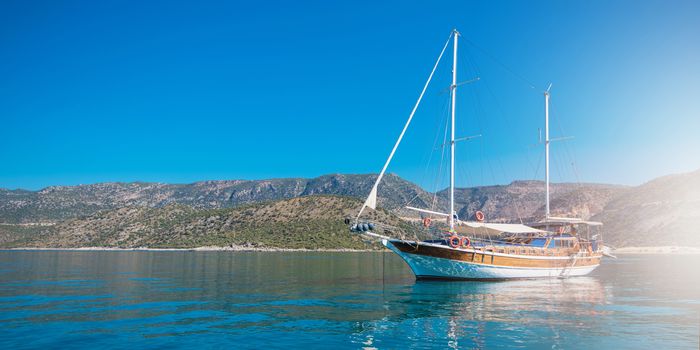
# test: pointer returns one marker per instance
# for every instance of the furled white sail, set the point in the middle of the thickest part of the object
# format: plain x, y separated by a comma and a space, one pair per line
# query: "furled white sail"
372, 198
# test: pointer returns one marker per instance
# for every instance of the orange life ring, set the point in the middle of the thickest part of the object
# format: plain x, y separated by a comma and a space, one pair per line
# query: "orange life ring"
426, 222
454, 241
479, 215
467, 240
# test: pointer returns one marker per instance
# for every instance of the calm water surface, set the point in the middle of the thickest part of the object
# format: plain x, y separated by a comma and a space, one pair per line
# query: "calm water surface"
109, 299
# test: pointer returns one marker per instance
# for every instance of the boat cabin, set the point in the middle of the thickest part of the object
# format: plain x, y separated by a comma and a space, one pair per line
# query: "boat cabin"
542, 238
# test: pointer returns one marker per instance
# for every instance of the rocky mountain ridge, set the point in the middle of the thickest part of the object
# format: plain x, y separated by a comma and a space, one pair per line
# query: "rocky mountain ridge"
520, 199
64, 202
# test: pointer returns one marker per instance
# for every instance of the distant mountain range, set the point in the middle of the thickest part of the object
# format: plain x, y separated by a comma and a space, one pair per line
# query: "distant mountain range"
64, 202
659, 212
502, 202
664, 211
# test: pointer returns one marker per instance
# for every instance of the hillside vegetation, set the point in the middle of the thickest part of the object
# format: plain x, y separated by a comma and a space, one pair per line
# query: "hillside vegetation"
309, 222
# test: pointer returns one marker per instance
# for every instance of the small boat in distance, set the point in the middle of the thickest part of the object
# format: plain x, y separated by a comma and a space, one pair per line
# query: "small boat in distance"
479, 250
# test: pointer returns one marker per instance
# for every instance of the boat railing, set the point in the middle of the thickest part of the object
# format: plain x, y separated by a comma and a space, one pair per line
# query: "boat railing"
585, 245
502, 246
498, 242
482, 242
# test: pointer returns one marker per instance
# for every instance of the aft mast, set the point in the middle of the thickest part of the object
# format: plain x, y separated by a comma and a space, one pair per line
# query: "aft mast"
452, 133
546, 152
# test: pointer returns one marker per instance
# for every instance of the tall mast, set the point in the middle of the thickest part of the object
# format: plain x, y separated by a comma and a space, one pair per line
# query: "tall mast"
452, 133
546, 152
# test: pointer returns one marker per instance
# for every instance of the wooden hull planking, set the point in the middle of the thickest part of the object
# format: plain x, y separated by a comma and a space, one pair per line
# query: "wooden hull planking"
436, 261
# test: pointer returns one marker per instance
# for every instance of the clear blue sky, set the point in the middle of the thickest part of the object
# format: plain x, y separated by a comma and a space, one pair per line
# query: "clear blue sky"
172, 91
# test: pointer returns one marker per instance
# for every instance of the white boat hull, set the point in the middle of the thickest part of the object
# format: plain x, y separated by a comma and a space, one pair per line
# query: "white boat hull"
430, 267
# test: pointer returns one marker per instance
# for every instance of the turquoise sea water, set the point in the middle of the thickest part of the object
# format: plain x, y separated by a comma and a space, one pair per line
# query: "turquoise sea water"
115, 299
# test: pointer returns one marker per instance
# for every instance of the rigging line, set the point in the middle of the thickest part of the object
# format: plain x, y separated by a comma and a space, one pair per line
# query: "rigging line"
412, 199
509, 121
466, 195
436, 198
557, 153
566, 148
383, 273
482, 144
423, 176
435, 143
440, 175
558, 149
442, 157
479, 111
431, 152
532, 86
529, 161
408, 122
498, 158
461, 166
483, 141
539, 164
463, 169
560, 170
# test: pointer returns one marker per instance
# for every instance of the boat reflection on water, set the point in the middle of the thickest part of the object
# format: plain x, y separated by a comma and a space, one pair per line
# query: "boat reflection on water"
487, 300
328, 300
459, 314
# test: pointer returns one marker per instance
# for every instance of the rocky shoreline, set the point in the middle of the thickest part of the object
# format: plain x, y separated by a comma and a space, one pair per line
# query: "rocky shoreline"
196, 249
658, 250
621, 251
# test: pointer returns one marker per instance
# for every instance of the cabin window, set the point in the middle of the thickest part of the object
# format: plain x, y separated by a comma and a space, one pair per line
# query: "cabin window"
563, 243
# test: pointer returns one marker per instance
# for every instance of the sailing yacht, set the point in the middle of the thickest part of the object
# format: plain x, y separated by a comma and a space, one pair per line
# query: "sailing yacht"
479, 250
